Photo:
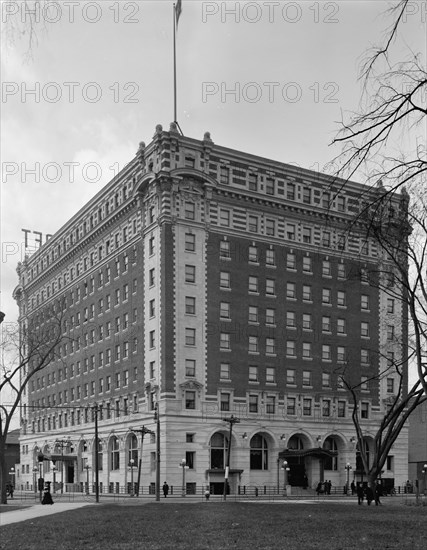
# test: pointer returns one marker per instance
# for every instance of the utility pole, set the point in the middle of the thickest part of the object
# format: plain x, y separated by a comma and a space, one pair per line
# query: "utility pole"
95, 411
142, 431
231, 420
157, 420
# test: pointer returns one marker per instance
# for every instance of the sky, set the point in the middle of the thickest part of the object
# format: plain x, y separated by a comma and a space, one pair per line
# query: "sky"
268, 78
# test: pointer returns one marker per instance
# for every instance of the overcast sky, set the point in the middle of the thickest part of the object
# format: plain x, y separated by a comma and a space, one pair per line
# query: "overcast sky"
101, 78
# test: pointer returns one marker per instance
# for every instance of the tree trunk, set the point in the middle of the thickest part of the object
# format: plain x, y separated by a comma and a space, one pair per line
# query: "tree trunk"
3, 470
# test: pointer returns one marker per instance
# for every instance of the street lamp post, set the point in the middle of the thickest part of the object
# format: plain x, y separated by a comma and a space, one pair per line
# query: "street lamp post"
54, 478
348, 468
184, 467
424, 472
87, 468
131, 463
231, 420
142, 431
286, 470
40, 458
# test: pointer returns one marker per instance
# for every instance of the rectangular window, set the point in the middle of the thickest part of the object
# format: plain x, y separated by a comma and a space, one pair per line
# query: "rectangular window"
326, 268
291, 290
224, 310
253, 183
270, 257
306, 195
364, 357
290, 231
253, 224
306, 378
291, 406
341, 353
326, 239
269, 186
306, 350
190, 305
390, 385
326, 380
307, 264
253, 314
190, 367
290, 377
341, 409
270, 227
152, 308
291, 261
364, 302
224, 217
151, 277
306, 321
306, 293
364, 410
224, 279
270, 375
306, 235
326, 296
290, 191
270, 346
270, 316
190, 210
224, 371
190, 242
253, 403
152, 339
253, 284
390, 332
224, 343
253, 344
364, 329
253, 373
326, 407
190, 336
190, 399
341, 271
390, 305
224, 249
306, 407
341, 326
190, 273
225, 401
291, 348
253, 254
270, 407
270, 287
291, 319
326, 352
341, 298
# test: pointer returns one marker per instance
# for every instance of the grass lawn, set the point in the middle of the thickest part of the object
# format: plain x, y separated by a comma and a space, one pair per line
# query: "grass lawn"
223, 525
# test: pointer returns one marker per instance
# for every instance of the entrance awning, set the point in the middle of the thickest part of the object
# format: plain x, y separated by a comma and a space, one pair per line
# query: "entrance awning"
54, 457
316, 452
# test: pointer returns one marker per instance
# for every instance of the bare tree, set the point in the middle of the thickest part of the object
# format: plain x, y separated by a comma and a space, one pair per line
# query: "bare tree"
391, 119
25, 21
375, 143
26, 350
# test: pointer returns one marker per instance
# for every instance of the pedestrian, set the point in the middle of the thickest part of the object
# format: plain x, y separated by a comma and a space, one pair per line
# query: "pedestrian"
207, 494
353, 488
165, 489
47, 497
329, 487
360, 493
11, 490
319, 488
378, 493
369, 495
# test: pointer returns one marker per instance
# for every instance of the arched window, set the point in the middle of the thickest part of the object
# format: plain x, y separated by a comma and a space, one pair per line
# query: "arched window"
258, 453
295, 443
331, 463
133, 449
218, 447
100, 455
114, 454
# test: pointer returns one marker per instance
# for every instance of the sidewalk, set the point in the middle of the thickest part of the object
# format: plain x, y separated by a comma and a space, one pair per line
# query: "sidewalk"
39, 510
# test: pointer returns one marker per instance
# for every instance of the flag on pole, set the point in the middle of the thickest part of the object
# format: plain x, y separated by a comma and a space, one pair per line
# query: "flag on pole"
178, 10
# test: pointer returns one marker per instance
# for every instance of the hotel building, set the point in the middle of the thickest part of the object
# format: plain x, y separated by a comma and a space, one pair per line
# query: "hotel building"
204, 282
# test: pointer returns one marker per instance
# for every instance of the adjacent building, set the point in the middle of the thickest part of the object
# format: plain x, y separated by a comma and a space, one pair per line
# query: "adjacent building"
205, 285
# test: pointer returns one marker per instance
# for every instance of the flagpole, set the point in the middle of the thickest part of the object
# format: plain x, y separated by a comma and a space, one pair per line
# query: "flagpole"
174, 64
